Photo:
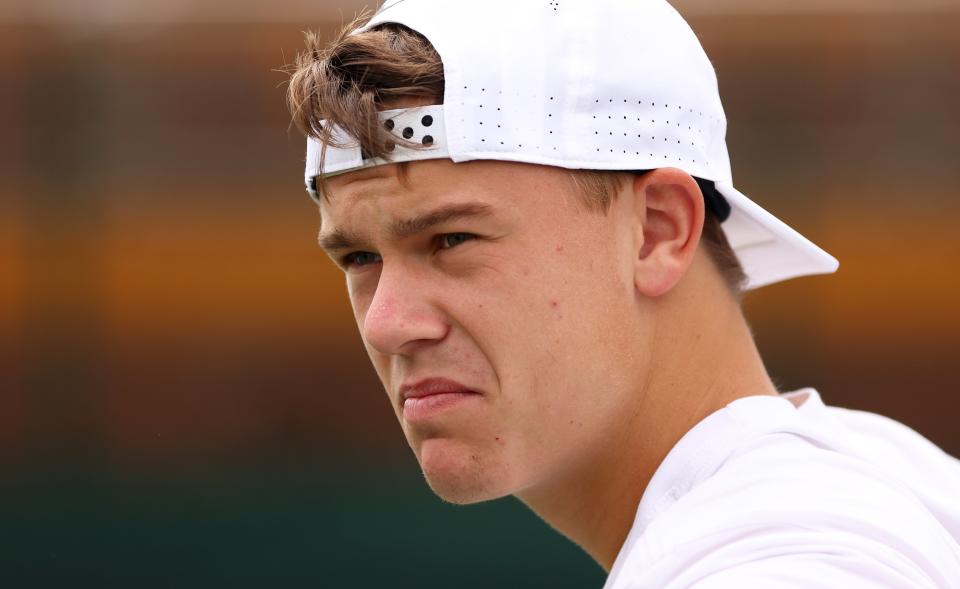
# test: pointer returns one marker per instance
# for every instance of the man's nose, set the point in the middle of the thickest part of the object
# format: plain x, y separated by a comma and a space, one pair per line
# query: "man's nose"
402, 313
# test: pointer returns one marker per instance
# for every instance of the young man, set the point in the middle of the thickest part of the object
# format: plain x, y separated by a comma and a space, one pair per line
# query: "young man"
533, 206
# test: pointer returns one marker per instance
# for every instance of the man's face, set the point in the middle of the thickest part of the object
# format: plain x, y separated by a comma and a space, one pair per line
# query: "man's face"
488, 293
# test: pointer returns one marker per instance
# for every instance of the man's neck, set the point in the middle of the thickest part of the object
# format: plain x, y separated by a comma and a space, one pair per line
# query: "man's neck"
594, 502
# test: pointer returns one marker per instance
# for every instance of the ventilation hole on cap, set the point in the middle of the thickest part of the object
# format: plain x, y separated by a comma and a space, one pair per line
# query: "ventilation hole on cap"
426, 121
597, 100
483, 89
551, 132
624, 116
498, 108
428, 140
666, 106
551, 98
407, 133
596, 132
611, 100
609, 117
598, 149
481, 122
389, 124
550, 115
501, 143
498, 126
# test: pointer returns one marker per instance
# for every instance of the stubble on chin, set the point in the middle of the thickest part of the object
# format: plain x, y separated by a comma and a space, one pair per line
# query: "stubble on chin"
462, 475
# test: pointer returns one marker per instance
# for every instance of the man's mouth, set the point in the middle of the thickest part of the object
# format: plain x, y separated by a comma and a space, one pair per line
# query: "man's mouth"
420, 400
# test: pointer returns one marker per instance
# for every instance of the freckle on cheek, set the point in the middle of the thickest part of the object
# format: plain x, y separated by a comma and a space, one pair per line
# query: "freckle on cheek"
559, 247
554, 304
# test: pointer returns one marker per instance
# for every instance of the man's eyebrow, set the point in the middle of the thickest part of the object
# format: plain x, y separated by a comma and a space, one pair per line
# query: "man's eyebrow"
339, 239
407, 227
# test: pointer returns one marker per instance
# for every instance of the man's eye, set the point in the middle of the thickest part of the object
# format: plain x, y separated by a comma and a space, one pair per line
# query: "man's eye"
449, 240
360, 258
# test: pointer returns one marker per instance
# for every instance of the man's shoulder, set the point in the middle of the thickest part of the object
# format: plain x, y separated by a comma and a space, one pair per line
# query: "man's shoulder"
788, 496
783, 478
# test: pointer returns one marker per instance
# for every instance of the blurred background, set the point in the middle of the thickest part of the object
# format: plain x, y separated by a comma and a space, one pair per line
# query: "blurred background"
183, 398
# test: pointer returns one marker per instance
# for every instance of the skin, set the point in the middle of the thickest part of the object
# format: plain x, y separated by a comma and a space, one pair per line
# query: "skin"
596, 340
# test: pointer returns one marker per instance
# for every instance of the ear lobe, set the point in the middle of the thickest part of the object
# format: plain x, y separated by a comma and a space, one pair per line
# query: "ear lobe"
669, 212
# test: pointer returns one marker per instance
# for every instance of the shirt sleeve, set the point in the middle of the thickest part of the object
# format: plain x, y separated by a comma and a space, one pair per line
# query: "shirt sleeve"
816, 571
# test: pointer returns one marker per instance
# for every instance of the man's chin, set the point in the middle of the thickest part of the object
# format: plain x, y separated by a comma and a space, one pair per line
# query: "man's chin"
462, 474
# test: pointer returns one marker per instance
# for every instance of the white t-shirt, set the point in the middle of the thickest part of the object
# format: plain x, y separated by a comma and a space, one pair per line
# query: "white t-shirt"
784, 492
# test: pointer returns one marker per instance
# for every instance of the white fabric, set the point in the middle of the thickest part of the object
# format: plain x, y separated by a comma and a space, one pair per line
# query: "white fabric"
426, 127
587, 84
765, 494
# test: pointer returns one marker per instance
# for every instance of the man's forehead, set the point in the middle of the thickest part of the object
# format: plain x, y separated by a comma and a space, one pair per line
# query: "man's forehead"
387, 197
366, 182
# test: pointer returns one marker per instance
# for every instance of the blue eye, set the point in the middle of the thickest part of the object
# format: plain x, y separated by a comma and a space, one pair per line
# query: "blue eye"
449, 240
360, 258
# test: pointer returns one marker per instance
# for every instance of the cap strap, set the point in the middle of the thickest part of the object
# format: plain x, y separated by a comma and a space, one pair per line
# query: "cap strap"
420, 133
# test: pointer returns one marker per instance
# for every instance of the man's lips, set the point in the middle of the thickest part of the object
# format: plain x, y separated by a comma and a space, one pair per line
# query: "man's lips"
431, 386
431, 395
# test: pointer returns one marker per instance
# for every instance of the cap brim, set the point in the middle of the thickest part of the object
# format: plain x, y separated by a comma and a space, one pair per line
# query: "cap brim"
769, 250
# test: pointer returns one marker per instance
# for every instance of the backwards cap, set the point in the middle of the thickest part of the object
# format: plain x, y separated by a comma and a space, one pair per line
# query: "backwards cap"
580, 84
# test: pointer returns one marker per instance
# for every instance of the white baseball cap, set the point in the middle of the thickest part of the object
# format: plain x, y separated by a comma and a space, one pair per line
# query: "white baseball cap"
580, 84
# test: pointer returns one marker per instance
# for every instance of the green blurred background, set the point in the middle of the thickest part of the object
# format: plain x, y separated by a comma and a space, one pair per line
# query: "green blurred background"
183, 398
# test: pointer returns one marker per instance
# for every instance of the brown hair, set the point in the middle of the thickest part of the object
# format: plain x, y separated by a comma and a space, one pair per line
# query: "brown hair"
347, 82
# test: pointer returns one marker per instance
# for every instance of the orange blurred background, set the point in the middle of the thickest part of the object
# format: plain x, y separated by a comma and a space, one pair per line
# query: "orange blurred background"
182, 391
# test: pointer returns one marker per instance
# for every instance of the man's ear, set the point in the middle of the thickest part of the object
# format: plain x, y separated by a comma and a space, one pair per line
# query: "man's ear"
668, 217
